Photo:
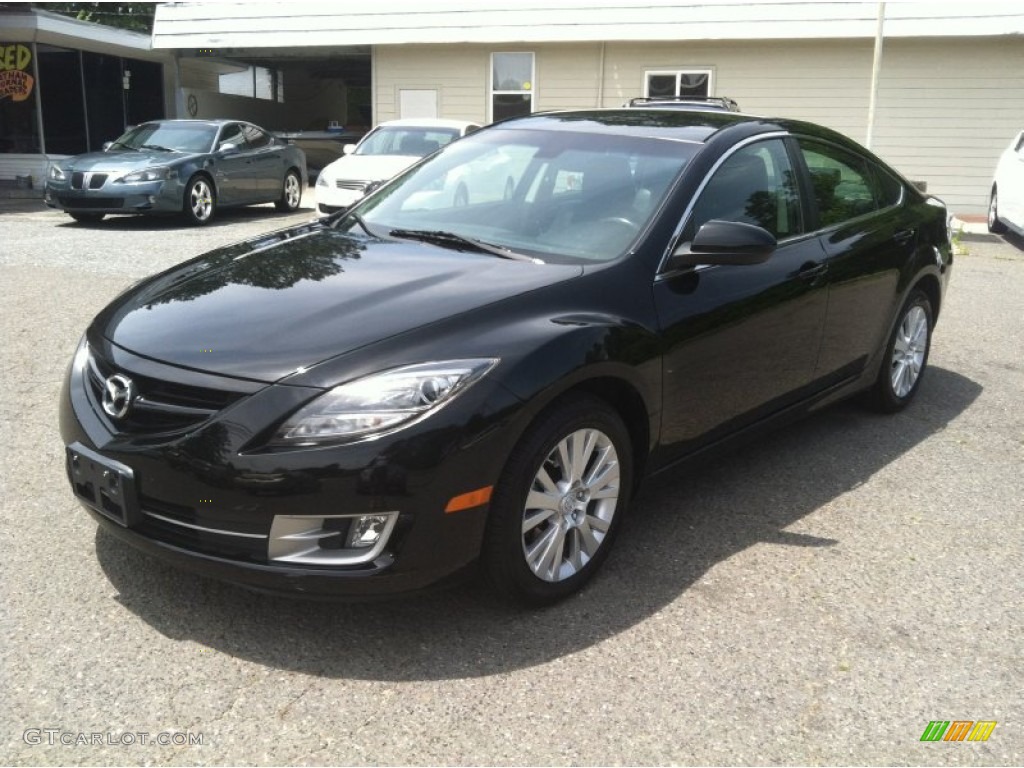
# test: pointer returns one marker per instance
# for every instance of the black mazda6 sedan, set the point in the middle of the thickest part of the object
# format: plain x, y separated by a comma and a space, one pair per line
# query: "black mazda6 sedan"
368, 404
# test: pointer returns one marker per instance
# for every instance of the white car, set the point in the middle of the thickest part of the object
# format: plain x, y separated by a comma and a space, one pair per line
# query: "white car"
1006, 201
389, 148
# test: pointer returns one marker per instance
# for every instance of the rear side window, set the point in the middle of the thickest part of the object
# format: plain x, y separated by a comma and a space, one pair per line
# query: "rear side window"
843, 185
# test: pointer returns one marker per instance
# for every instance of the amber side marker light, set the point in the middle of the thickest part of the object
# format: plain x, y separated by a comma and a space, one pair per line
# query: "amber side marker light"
469, 500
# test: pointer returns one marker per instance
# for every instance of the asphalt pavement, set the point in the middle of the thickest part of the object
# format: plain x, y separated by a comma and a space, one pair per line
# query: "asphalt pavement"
817, 597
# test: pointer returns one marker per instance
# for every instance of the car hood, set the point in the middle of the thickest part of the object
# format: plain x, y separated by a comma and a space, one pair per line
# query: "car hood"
121, 160
267, 308
368, 167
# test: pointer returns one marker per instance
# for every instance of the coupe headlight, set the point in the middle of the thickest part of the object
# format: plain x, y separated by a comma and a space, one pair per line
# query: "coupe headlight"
56, 173
381, 402
150, 174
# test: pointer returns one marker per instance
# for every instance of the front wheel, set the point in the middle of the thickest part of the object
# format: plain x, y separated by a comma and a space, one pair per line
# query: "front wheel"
200, 201
559, 503
995, 226
291, 193
906, 356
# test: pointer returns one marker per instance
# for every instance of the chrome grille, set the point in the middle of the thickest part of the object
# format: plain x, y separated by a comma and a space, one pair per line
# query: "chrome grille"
160, 406
359, 186
80, 180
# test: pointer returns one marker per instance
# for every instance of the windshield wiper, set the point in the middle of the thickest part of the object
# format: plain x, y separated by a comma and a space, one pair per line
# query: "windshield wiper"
461, 243
350, 214
158, 148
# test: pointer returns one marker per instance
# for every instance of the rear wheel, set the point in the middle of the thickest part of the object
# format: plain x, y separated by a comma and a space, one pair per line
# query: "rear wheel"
994, 224
906, 356
291, 193
86, 218
200, 201
559, 503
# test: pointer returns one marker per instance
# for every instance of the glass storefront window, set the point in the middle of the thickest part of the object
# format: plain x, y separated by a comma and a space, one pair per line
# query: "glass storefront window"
19, 125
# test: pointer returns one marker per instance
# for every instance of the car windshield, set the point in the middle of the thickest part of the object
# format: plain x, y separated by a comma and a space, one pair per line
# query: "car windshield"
170, 137
558, 196
406, 140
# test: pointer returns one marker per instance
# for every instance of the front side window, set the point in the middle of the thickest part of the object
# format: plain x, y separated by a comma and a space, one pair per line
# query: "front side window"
511, 85
843, 187
255, 137
756, 185
678, 83
232, 134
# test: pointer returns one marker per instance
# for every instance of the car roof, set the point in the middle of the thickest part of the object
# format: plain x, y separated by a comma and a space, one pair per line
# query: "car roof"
695, 126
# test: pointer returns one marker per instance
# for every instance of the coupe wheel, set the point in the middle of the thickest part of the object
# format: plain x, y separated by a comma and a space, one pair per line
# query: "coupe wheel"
291, 193
906, 355
994, 224
200, 201
559, 503
87, 218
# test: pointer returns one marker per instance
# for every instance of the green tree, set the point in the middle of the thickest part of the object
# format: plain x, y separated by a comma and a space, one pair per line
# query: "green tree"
137, 17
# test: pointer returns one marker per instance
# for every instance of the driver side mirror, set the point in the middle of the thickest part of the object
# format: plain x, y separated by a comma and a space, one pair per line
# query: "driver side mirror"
107, 145
348, 149
725, 243
227, 148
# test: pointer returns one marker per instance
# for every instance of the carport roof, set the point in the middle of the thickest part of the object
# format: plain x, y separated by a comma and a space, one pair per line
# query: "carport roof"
275, 24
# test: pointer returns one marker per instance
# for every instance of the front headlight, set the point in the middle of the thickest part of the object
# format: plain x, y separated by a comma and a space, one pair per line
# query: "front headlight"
321, 180
56, 174
150, 174
382, 402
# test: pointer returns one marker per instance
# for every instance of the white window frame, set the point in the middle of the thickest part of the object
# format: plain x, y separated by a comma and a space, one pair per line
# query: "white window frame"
491, 92
709, 71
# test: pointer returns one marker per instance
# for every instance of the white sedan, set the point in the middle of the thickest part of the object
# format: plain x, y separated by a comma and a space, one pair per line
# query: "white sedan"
1006, 202
385, 151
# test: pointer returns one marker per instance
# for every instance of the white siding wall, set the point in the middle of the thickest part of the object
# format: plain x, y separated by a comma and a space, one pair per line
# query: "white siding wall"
946, 110
946, 107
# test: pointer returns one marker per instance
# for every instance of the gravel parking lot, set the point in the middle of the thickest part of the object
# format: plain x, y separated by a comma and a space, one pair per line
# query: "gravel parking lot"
815, 598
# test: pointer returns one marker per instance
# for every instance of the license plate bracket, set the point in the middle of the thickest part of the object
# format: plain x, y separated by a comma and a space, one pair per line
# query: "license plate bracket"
107, 486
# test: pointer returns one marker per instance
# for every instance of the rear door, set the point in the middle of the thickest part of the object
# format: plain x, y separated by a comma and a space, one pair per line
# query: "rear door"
867, 236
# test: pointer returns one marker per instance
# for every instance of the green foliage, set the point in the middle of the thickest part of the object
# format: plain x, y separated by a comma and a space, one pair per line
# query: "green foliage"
137, 17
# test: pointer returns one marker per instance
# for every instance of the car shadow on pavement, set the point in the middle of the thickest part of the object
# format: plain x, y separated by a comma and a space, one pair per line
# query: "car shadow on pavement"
681, 525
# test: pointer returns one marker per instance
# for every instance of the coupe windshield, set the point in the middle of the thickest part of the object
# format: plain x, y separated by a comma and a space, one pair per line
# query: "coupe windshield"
406, 140
558, 196
169, 137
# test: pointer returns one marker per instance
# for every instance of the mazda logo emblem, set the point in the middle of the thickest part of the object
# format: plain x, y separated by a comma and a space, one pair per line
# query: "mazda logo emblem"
118, 395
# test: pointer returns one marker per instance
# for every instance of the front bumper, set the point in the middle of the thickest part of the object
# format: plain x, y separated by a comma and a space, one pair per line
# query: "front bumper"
205, 502
330, 199
114, 197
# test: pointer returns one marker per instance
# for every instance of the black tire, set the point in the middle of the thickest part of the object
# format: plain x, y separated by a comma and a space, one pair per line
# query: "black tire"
906, 352
291, 193
562, 532
87, 218
995, 226
461, 199
200, 202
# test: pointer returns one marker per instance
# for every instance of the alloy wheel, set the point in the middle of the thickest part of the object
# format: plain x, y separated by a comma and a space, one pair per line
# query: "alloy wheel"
909, 350
570, 505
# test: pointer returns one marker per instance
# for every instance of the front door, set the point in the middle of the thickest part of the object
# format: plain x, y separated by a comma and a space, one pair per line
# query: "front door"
741, 342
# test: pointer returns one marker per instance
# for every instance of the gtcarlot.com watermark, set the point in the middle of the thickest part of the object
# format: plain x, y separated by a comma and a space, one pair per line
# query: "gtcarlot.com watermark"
58, 736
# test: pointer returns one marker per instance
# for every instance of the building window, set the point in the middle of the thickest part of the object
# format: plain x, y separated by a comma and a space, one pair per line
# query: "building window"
255, 83
511, 85
684, 82
19, 129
